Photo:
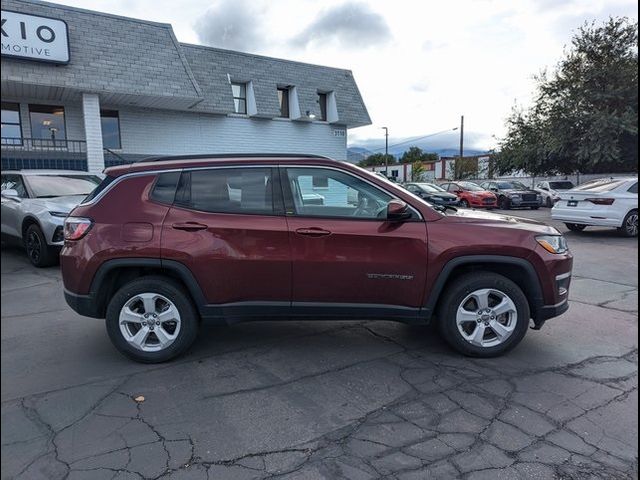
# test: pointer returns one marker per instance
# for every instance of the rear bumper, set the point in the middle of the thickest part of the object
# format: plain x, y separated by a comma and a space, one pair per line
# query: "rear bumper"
585, 217
85, 305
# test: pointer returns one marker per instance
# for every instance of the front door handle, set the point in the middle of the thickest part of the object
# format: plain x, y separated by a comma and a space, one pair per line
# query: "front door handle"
189, 226
313, 232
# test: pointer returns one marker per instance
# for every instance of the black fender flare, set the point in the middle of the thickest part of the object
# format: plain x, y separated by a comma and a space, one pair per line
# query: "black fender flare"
530, 279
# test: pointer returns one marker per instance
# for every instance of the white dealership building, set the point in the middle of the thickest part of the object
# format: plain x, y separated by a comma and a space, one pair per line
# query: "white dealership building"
83, 89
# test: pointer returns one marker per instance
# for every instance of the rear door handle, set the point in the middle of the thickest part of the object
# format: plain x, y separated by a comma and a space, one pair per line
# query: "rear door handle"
189, 226
313, 232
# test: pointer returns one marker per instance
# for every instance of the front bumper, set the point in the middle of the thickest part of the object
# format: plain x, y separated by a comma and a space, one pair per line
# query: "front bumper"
546, 312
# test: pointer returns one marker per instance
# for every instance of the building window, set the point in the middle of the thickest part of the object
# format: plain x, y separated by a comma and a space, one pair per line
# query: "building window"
110, 123
283, 99
47, 122
11, 128
239, 97
322, 100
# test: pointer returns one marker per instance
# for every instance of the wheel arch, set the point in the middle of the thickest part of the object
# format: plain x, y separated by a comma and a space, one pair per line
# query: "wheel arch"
112, 274
518, 270
27, 221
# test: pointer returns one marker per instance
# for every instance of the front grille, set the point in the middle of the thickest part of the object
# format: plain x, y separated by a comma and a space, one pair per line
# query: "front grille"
488, 201
529, 197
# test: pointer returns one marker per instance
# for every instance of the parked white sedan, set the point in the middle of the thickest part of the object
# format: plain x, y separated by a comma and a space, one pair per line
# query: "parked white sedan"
606, 202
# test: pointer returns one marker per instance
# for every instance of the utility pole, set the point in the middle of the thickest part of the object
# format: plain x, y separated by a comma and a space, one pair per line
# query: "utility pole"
386, 152
462, 136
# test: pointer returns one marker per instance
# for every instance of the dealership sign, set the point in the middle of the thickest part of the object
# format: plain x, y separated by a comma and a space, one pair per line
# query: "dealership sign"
36, 38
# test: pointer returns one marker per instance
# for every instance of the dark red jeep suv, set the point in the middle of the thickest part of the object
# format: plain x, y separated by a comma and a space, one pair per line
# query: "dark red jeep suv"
164, 243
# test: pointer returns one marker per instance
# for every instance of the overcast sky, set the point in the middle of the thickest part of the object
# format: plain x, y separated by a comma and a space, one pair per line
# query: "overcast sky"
419, 64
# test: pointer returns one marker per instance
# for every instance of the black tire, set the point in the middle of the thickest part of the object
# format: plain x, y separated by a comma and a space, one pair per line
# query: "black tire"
464, 203
575, 227
39, 253
549, 202
629, 226
535, 208
189, 318
458, 290
504, 203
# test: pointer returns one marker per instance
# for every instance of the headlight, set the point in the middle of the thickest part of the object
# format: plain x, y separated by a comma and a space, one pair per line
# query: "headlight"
539, 197
553, 243
514, 195
59, 214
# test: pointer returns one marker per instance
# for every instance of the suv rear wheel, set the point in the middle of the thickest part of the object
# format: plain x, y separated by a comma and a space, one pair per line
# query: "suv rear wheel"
483, 314
152, 319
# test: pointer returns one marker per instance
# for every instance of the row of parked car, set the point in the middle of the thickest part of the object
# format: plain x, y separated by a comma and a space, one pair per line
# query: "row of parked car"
490, 194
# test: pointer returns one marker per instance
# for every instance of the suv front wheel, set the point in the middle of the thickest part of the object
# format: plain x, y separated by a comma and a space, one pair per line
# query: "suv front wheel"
152, 319
483, 314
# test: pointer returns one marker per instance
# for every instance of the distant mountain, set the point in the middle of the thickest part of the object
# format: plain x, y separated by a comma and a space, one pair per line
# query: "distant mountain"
355, 154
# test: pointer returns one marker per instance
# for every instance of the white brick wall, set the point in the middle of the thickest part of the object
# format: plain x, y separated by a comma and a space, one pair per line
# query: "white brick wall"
147, 131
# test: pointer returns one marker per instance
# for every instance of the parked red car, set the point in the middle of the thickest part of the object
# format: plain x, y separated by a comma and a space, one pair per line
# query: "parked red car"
471, 195
162, 244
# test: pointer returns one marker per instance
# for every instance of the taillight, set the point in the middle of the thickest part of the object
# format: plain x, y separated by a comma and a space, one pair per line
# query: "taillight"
600, 201
76, 227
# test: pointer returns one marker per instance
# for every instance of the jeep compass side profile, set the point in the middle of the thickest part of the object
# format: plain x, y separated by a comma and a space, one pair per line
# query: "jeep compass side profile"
164, 243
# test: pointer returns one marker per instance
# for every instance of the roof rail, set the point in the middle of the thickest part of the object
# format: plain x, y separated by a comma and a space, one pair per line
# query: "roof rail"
164, 158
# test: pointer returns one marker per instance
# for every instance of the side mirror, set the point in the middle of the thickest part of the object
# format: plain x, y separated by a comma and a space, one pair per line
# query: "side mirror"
397, 210
11, 193
457, 191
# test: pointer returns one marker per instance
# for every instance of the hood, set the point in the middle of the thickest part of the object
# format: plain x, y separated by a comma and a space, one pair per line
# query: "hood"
442, 195
518, 190
62, 204
489, 219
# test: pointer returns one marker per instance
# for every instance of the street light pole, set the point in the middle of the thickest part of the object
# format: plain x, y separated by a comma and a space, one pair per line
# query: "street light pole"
386, 152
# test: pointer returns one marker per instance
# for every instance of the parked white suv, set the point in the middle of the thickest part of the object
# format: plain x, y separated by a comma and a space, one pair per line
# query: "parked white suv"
35, 204
606, 202
550, 191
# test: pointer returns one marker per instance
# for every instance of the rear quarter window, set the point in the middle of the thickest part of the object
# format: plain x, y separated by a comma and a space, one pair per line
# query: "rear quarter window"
104, 184
634, 188
164, 190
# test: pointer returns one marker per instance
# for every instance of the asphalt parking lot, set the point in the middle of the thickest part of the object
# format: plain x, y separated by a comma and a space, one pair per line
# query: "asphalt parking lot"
353, 400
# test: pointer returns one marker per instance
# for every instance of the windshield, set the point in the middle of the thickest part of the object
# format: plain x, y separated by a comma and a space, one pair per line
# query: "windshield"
561, 185
471, 186
47, 186
512, 186
427, 187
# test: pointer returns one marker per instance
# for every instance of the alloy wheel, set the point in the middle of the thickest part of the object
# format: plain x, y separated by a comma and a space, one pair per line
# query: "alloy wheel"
486, 317
34, 246
631, 225
150, 322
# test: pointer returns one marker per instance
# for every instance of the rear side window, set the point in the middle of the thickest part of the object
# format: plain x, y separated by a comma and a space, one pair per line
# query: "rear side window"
164, 190
228, 190
634, 188
96, 191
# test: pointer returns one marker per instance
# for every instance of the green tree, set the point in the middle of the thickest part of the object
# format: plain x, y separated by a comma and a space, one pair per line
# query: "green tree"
416, 154
377, 159
417, 170
585, 114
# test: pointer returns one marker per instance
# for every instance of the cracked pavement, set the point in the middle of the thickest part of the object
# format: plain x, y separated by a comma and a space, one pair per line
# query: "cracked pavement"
325, 400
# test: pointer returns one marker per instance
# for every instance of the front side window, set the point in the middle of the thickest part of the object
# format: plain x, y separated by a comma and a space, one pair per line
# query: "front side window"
11, 128
14, 182
49, 186
227, 190
283, 99
47, 123
110, 122
239, 91
345, 196
322, 101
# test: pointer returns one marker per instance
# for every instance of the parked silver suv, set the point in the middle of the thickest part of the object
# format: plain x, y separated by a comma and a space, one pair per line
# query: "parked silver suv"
35, 204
